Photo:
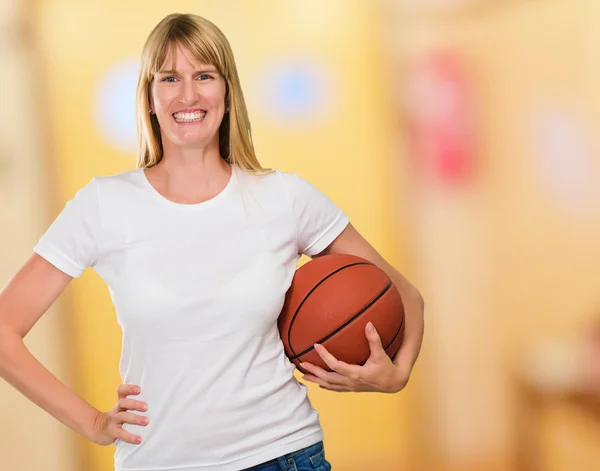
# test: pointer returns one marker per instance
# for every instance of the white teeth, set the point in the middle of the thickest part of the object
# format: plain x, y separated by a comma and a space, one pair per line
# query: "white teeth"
189, 117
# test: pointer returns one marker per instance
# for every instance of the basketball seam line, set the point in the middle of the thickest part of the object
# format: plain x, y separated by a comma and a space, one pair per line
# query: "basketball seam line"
349, 321
308, 295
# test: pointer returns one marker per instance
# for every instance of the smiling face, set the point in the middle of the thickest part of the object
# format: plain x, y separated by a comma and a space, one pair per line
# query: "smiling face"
188, 98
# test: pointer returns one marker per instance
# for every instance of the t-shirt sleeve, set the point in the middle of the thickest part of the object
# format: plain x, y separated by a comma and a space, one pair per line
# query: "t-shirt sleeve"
70, 243
318, 220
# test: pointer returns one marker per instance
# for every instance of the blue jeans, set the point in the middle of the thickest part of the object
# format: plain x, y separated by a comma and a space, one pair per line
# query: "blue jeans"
311, 458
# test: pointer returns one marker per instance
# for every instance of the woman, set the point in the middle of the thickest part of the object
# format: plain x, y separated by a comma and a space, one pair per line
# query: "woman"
198, 246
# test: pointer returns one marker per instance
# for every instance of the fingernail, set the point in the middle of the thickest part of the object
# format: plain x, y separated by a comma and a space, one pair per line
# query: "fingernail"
138, 439
144, 406
145, 421
370, 326
136, 390
317, 346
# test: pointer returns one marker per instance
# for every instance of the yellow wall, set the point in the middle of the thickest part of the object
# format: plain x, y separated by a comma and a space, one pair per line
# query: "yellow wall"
23, 214
510, 260
348, 157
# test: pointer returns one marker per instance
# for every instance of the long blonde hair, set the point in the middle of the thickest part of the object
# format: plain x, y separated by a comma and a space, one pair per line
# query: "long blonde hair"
207, 44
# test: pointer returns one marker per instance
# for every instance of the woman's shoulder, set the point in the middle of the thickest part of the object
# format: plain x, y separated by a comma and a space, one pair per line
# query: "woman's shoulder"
125, 176
274, 181
115, 187
124, 180
275, 176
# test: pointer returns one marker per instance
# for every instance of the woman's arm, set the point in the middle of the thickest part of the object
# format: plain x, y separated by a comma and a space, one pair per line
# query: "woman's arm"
24, 299
351, 242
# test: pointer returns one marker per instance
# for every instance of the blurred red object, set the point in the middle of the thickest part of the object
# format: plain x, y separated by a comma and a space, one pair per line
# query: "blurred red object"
441, 118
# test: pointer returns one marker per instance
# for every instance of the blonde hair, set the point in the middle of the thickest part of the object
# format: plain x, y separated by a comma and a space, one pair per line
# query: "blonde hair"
207, 44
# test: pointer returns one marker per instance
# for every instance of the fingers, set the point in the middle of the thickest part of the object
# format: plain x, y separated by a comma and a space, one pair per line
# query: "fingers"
374, 341
346, 377
326, 376
127, 437
124, 417
133, 419
125, 404
315, 379
125, 390
132, 404
336, 365
326, 385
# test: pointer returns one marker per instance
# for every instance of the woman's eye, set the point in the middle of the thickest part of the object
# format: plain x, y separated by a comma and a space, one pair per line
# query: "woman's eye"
171, 79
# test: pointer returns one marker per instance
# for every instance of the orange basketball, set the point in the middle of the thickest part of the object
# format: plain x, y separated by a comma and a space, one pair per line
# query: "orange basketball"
330, 301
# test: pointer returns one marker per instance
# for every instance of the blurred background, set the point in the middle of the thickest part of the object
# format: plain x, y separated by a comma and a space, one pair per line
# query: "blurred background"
459, 136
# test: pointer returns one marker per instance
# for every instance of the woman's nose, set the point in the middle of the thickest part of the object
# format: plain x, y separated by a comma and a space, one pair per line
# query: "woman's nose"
188, 92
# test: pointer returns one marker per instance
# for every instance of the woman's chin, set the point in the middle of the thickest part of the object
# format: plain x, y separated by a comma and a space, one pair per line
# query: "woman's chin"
190, 142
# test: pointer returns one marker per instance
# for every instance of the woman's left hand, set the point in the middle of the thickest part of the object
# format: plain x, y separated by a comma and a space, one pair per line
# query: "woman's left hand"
378, 374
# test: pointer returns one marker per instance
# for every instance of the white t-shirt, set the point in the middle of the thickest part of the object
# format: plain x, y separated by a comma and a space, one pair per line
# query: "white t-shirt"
197, 290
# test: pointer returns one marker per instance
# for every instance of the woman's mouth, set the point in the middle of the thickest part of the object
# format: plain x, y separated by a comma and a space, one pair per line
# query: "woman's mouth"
193, 117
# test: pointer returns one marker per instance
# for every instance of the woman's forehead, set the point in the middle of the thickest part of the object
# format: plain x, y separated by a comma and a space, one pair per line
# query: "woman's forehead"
179, 57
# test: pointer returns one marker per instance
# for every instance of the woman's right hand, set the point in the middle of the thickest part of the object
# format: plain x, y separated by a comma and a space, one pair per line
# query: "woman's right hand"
108, 426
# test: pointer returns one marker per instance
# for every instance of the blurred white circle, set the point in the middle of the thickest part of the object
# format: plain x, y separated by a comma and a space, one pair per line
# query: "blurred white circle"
566, 159
114, 105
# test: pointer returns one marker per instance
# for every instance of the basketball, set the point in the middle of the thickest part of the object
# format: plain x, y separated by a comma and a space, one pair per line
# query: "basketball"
330, 301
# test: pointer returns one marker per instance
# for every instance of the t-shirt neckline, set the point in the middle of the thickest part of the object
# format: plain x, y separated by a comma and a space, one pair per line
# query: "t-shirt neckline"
192, 206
